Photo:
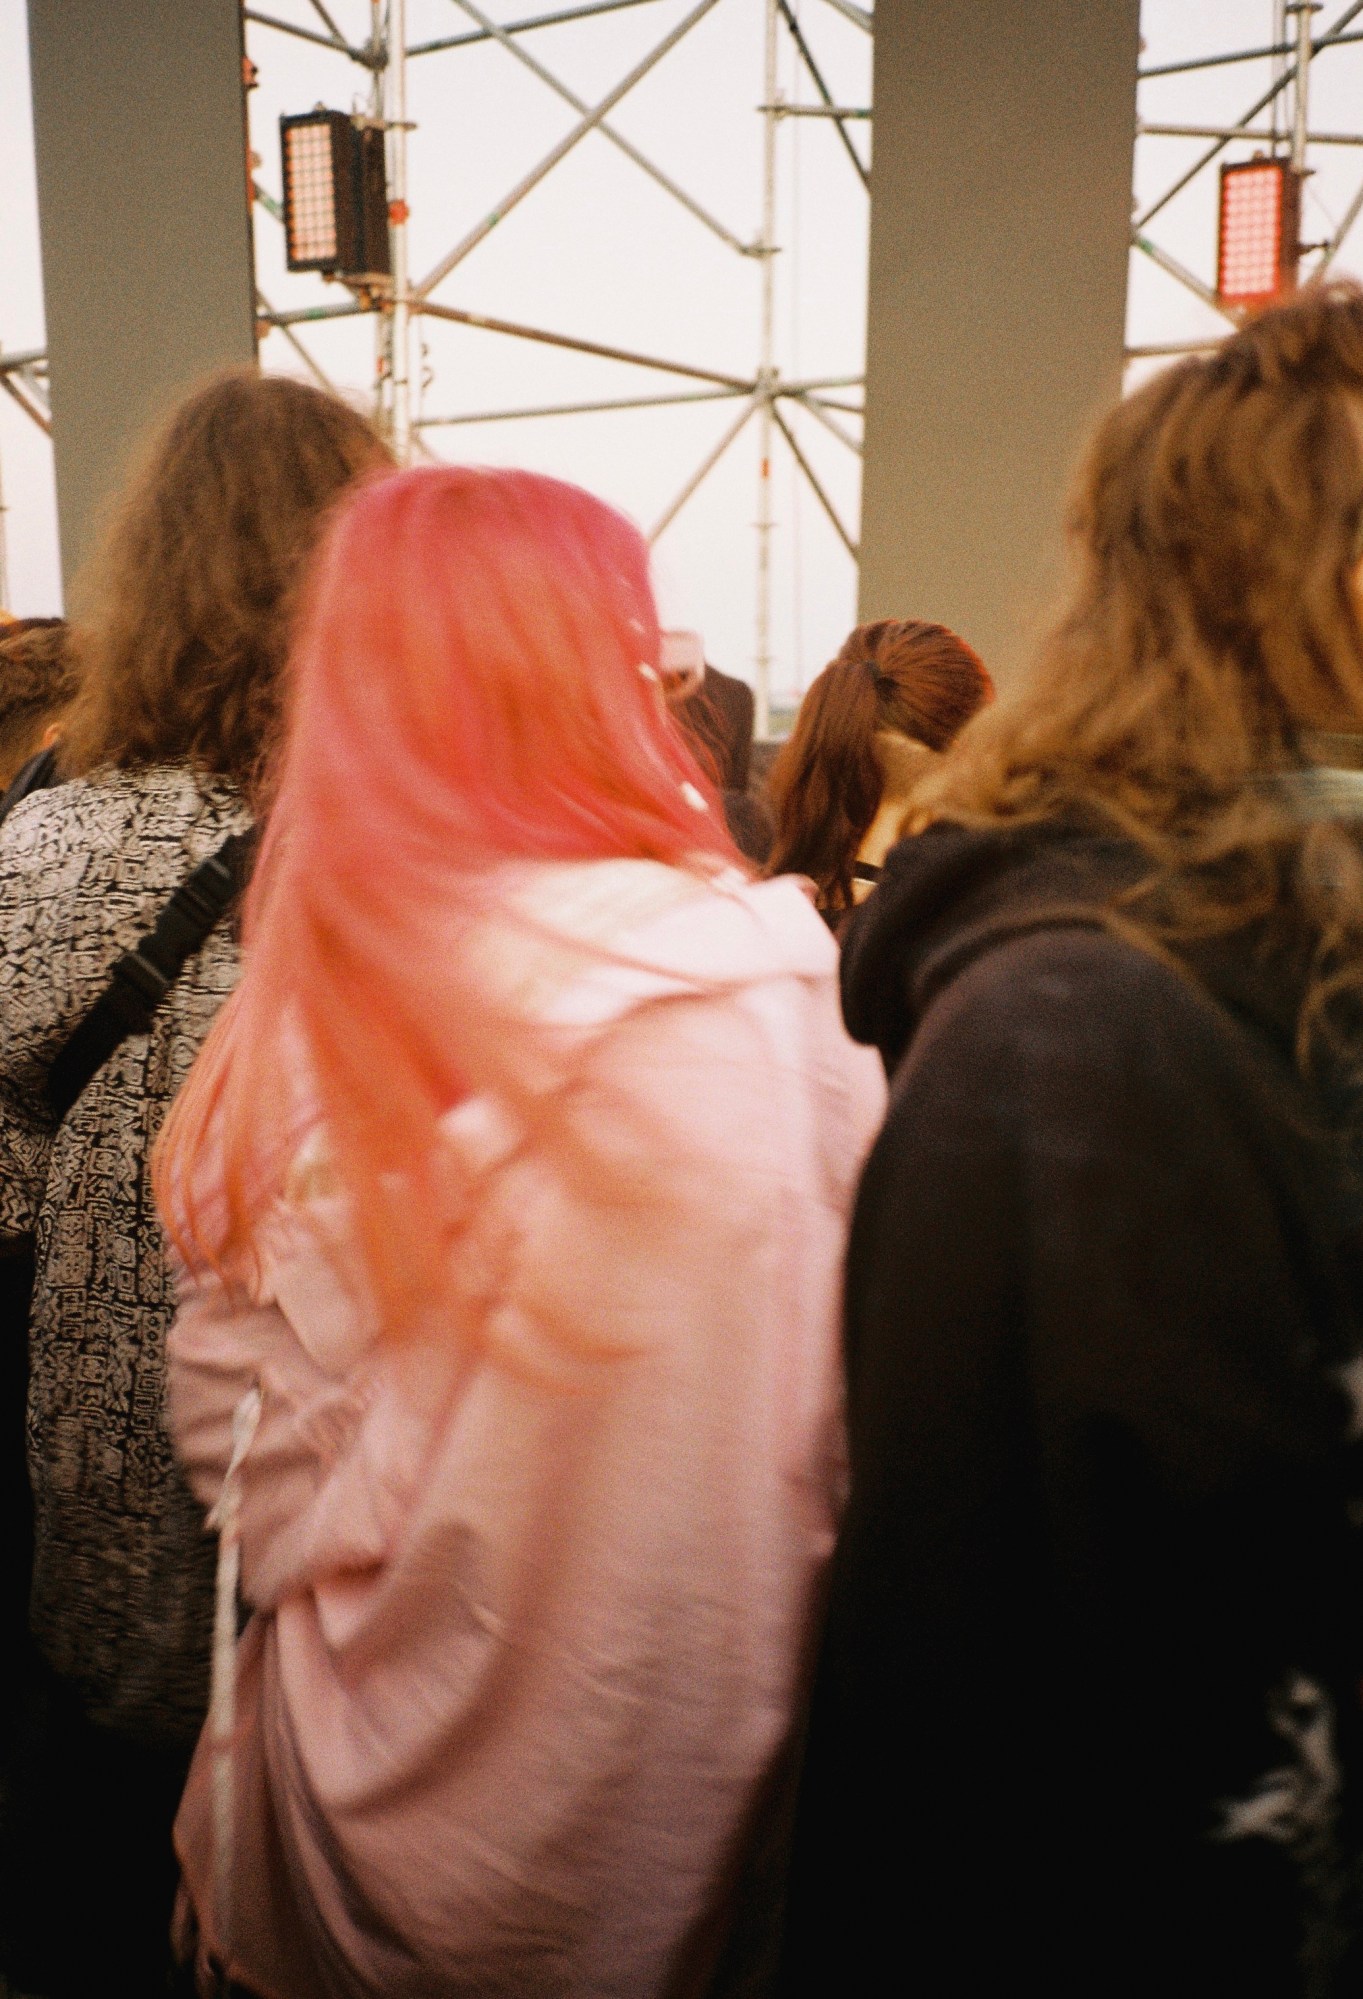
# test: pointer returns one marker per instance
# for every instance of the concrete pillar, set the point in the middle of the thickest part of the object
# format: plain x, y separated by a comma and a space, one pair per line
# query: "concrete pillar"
139, 131
1000, 223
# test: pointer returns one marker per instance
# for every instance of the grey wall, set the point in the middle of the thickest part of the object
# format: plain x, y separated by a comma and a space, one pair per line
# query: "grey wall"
139, 130
1000, 221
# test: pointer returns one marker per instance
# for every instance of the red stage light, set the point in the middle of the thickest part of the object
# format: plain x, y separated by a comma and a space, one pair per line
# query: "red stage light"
1260, 227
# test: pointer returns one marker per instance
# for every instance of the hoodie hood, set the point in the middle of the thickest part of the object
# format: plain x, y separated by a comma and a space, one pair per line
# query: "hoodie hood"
952, 892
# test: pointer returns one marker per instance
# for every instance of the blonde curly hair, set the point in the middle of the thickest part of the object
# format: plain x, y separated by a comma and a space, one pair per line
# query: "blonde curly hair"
1213, 623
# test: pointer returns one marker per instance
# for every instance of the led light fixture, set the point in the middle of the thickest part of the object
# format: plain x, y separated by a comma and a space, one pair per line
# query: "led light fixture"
1260, 229
335, 195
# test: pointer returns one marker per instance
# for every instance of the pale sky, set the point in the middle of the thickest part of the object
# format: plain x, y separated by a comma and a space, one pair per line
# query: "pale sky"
598, 250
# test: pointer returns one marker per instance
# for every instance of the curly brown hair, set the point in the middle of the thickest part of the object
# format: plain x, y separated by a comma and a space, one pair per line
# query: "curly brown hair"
898, 677
36, 682
182, 620
1213, 623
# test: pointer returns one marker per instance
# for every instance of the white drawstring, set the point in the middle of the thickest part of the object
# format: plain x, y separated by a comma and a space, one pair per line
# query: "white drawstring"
222, 1709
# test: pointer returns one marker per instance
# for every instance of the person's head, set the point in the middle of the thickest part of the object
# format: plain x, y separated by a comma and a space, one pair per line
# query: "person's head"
1213, 623
716, 713
1216, 529
475, 681
182, 619
898, 692
36, 682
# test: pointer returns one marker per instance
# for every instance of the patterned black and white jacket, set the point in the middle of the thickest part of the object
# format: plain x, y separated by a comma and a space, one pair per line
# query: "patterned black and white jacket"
123, 1571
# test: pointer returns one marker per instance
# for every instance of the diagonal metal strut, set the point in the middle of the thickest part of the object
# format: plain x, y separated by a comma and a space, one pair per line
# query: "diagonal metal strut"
27, 404
860, 17
818, 490
830, 423
556, 20
816, 77
586, 409
580, 104
314, 368
320, 11
459, 317
559, 152
305, 35
1336, 242
1185, 277
704, 469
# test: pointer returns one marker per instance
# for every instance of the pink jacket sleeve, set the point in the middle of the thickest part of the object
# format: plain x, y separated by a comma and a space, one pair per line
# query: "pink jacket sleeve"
219, 1349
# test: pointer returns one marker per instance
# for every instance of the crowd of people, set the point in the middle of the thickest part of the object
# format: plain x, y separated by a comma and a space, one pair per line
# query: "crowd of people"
631, 1376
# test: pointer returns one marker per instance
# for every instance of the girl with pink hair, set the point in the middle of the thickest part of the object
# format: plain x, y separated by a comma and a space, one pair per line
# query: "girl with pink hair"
512, 1189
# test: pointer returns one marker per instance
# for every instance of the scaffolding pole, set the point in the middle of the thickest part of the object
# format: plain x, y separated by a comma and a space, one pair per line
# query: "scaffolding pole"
382, 325
401, 360
1281, 51
1303, 9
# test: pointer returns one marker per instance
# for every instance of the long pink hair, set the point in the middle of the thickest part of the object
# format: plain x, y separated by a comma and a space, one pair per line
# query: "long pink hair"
473, 682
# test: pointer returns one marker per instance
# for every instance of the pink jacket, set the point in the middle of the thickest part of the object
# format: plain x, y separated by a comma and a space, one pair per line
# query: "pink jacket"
534, 1588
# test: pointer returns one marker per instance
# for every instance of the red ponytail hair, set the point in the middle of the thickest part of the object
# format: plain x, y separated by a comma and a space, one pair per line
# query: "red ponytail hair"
907, 677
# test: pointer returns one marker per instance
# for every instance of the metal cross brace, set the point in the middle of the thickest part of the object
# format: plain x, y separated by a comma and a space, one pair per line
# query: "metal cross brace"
704, 469
1336, 242
272, 318
28, 402
817, 78
565, 145
1185, 277
587, 409
817, 489
468, 39
579, 104
860, 17
320, 11
341, 46
818, 409
459, 317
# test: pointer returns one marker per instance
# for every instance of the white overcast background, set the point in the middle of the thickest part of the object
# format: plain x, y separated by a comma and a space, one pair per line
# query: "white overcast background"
599, 251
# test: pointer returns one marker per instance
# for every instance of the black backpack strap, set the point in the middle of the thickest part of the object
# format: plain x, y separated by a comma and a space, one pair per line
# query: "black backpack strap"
143, 976
38, 774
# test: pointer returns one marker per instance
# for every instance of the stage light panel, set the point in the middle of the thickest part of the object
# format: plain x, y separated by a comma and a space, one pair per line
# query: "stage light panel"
311, 217
335, 195
1259, 229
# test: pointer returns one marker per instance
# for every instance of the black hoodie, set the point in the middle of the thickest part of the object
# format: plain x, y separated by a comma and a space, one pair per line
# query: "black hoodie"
1087, 1717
